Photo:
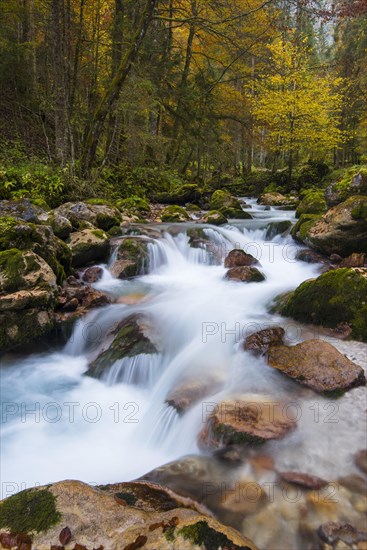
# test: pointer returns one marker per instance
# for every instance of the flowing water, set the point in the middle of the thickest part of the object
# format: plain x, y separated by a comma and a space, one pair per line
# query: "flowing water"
59, 423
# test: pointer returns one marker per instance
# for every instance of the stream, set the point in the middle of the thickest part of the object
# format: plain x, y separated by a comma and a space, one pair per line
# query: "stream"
59, 424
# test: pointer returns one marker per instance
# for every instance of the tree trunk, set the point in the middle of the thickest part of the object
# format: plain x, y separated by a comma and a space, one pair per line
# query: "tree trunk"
95, 127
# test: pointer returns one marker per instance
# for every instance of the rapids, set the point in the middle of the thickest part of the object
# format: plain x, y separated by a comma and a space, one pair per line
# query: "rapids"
58, 423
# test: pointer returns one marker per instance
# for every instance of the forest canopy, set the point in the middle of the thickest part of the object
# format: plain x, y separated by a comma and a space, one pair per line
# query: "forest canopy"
190, 86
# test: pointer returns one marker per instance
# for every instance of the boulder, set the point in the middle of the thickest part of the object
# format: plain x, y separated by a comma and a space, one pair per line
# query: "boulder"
313, 203
277, 199
278, 228
39, 239
342, 230
245, 275
228, 205
122, 516
88, 245
239, 258
317, 365
300, 229
261, 341
245, 421
131, 337
131, 258
102, 216
28, 293
175, 214
22, 210
338, 296
188, 392
93, 274
60, 225
214, 217
310, 257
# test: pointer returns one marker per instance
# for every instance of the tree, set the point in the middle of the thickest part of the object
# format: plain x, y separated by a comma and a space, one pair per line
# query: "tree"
299, 106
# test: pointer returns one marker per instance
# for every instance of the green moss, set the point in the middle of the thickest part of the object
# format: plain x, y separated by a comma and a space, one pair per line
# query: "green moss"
106, 221
129, 498
214, 217
11, 267
338, 296
312, 203
359, 212
41, 203
134, 204
204, 536
174, 214
98, 202
115, 231
169, 534
304, 224
98, 233
29, 511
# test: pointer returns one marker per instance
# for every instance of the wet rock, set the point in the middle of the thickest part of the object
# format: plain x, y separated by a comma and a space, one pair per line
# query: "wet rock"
214, 217
338, 296
355, 484
130, 337
317, 365
89, 245
189, 392
28, 293
361, 460
245, 421
131, 258
261, 341
239, 258
310, 257
245, 275
93, 274
278, 228
262, 463
152, 514
334, 532
174, 214
355, 260
305, 481
228, 206
342, 230
276, 199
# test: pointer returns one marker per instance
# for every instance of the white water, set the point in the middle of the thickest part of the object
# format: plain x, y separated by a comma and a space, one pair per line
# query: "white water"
58, 423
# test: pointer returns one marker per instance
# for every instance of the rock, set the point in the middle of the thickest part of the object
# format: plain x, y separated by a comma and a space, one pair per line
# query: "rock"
317, 365
27, 296
338, 296
130, 337
278, 228
239, 258
187, 193
334, 532
22, 210
120, 516
261, 341
189, 392
336, 259
93, 274
276, 199
313, 203
245, 275
38, 239
342, 230
352, 184
245, 421
89, 245
99, 215
228, 205
305, 481
71, 305
300, 229
214, 217
310, 257
131, 258
355, 260
175, 214
361, 460
60, 226
354, 483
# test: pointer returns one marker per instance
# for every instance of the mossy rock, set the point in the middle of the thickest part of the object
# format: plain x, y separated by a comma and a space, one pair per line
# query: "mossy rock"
129, 340
228, 205
134, 205
100, 215
349, 182
214, 217
303, 225
60, 225
313, 203
30, 511
39, 239
131, 258
187, 193
235, 213
23, 210
278, 228
174, 214
89, 245
338, 296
